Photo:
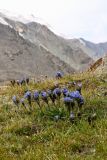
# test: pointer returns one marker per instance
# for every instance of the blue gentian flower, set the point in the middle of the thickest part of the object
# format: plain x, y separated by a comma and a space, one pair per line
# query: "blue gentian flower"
22, 101
59, 74
28, 96
22, 81
75, 94
44, 96
57, 92
36, 95
65, 92
68, 100
15, 100
78, 97
36, 98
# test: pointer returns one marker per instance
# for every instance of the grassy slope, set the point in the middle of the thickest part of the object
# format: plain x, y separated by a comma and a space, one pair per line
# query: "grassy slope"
31, 135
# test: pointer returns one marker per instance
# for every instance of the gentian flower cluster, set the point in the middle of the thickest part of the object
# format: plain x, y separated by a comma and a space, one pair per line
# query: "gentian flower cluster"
59, 75
54, 94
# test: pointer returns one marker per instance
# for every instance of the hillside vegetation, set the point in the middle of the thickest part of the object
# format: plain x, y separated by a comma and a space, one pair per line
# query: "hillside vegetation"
28, 133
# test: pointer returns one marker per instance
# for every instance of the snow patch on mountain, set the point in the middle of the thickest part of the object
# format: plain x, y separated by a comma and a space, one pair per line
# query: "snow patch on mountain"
82, 42
3, 21
21, 18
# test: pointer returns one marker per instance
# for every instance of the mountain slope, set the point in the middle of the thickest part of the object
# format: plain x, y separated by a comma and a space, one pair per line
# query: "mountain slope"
58, 46
29, 48
67, 50
99, 49
19, 57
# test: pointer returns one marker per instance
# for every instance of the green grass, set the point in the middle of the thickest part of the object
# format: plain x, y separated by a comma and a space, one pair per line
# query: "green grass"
32, 135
